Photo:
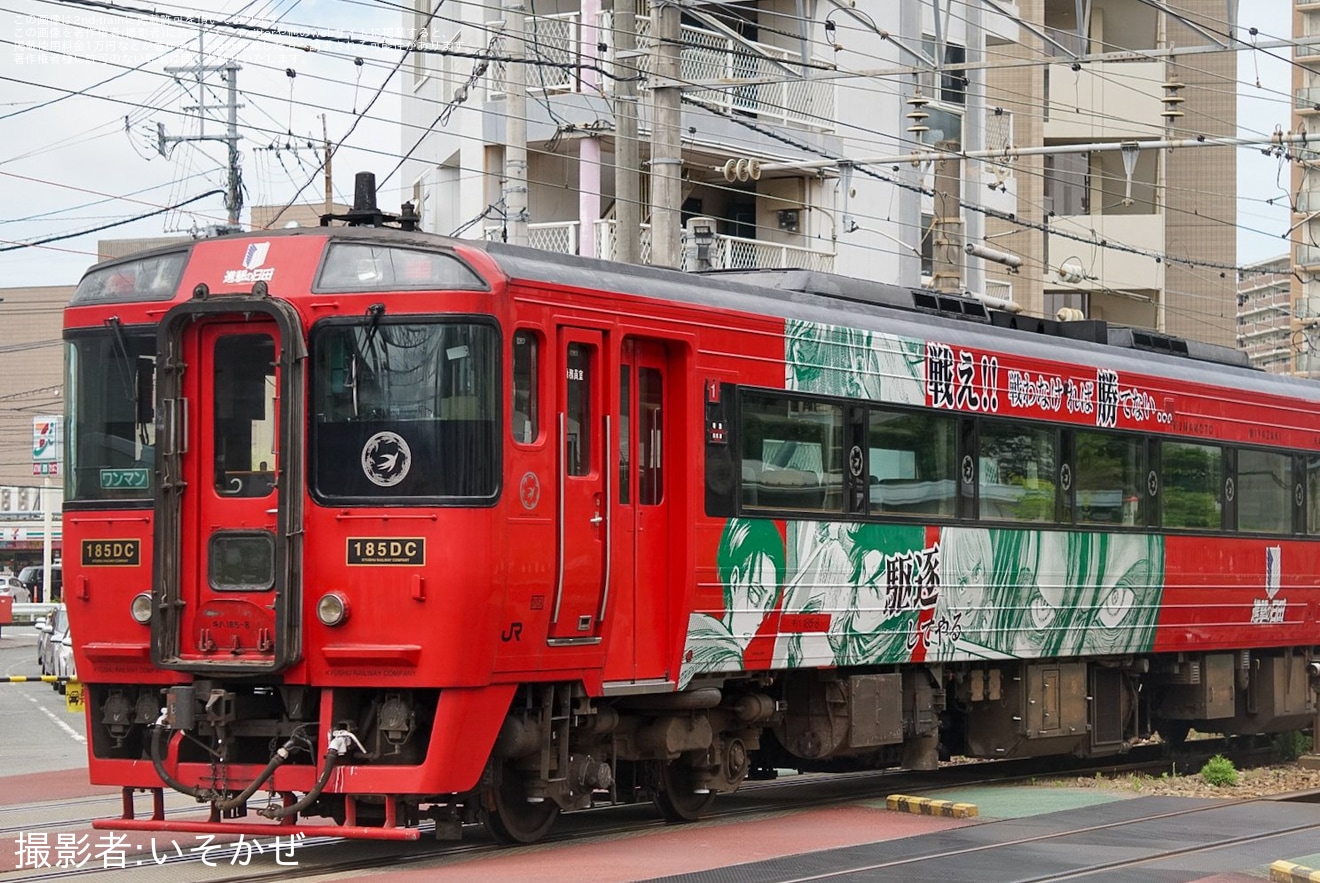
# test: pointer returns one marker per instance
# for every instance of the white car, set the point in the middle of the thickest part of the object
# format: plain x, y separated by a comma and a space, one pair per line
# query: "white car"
10, 585
52, 632
64, 667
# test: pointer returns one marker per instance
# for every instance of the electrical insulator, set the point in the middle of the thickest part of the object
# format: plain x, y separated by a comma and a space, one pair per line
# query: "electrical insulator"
1172, 100
742, 170
918, 114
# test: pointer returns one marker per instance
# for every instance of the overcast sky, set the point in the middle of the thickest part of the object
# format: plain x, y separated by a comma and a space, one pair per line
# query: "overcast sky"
64, 158
62, 155
1262, 228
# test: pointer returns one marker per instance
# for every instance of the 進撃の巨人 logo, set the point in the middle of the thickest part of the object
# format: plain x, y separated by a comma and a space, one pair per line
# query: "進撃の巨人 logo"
256, 255
253, 271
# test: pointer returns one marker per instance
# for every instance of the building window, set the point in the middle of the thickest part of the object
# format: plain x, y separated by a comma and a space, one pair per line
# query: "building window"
1068, 184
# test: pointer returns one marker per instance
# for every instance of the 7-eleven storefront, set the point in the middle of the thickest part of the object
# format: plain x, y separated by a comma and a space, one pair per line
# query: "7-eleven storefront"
22, 542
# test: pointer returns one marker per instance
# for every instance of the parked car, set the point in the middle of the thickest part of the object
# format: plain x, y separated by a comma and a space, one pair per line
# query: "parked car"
52, 631
31, 577
10, 585
64, 662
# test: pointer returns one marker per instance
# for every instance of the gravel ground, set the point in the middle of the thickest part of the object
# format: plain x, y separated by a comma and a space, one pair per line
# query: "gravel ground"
1260, 782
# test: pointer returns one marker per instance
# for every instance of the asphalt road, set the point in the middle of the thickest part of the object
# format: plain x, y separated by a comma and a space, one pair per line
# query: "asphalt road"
37, 733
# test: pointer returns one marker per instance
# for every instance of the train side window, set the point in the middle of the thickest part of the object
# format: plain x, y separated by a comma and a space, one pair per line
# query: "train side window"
1313, 495
1017, 473
650, 446
1108, 478
578, 447
524, 419
913, 463
625, 432
1191, 485
1264, 491
791, 453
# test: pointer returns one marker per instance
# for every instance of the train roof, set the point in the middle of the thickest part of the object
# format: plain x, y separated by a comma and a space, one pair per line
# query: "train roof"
918, 313
840, 300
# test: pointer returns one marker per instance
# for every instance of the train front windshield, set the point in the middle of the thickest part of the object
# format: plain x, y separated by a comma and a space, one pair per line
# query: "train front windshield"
405, 411
110, 402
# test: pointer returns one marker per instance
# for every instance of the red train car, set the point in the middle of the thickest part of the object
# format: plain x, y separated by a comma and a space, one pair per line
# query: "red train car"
378, 526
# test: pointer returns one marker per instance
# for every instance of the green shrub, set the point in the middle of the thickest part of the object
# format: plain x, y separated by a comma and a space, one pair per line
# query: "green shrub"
1219, 771
1291, 745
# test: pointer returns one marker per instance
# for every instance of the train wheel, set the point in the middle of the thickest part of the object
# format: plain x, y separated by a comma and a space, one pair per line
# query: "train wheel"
676, 796
508, 816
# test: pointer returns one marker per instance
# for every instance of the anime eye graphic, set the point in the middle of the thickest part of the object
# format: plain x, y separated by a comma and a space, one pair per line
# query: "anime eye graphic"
1116, 607
1042, 614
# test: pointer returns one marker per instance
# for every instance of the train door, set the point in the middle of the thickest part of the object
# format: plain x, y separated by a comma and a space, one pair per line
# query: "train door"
217, 546
585, 528
641, 614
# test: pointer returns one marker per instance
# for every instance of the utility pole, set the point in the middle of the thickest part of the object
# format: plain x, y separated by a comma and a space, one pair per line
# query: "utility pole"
329, 189
515, 121
627, 150
666, 143
234, 191
946, 231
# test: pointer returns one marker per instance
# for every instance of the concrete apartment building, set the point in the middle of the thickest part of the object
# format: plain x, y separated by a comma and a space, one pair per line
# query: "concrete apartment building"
1015, 75
1264, 314
1179, 202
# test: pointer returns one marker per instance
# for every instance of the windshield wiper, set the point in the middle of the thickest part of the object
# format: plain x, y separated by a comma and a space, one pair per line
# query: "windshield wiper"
375, 311
123, 360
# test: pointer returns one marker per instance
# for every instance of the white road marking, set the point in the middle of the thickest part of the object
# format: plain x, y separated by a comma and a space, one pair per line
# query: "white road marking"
74, 734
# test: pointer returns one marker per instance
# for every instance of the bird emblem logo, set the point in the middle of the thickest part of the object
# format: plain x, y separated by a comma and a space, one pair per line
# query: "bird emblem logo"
386, 459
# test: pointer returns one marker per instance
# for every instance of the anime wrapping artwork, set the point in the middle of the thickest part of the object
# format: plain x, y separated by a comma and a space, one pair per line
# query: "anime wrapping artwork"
750, 564
835, 593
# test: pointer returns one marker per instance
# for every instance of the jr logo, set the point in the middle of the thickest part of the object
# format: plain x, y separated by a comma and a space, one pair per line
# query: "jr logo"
513, 633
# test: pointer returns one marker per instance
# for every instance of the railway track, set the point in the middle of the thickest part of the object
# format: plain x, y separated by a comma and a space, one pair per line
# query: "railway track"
330, 855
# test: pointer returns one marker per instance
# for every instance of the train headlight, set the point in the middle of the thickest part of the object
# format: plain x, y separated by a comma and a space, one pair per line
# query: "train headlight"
140, 608
332, 609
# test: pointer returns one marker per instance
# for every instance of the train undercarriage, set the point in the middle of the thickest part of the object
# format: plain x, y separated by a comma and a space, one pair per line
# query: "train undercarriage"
274, 750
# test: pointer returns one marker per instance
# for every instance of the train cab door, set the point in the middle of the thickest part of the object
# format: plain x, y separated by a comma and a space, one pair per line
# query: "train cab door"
640, 600
585, 529
222, 536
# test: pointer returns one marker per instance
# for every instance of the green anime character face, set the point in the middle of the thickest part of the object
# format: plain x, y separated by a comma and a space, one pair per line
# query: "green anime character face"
968, 559
1127, 600
751, 565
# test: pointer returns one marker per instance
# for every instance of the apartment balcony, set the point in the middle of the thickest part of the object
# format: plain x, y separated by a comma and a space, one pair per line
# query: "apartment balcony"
1307, 304
791, 100
726, 252
1308, 256
706, 56
1103, 268
1105, 101
557, 236
1308, 202
1307, 100
552, 38
1307, 47
737, 253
